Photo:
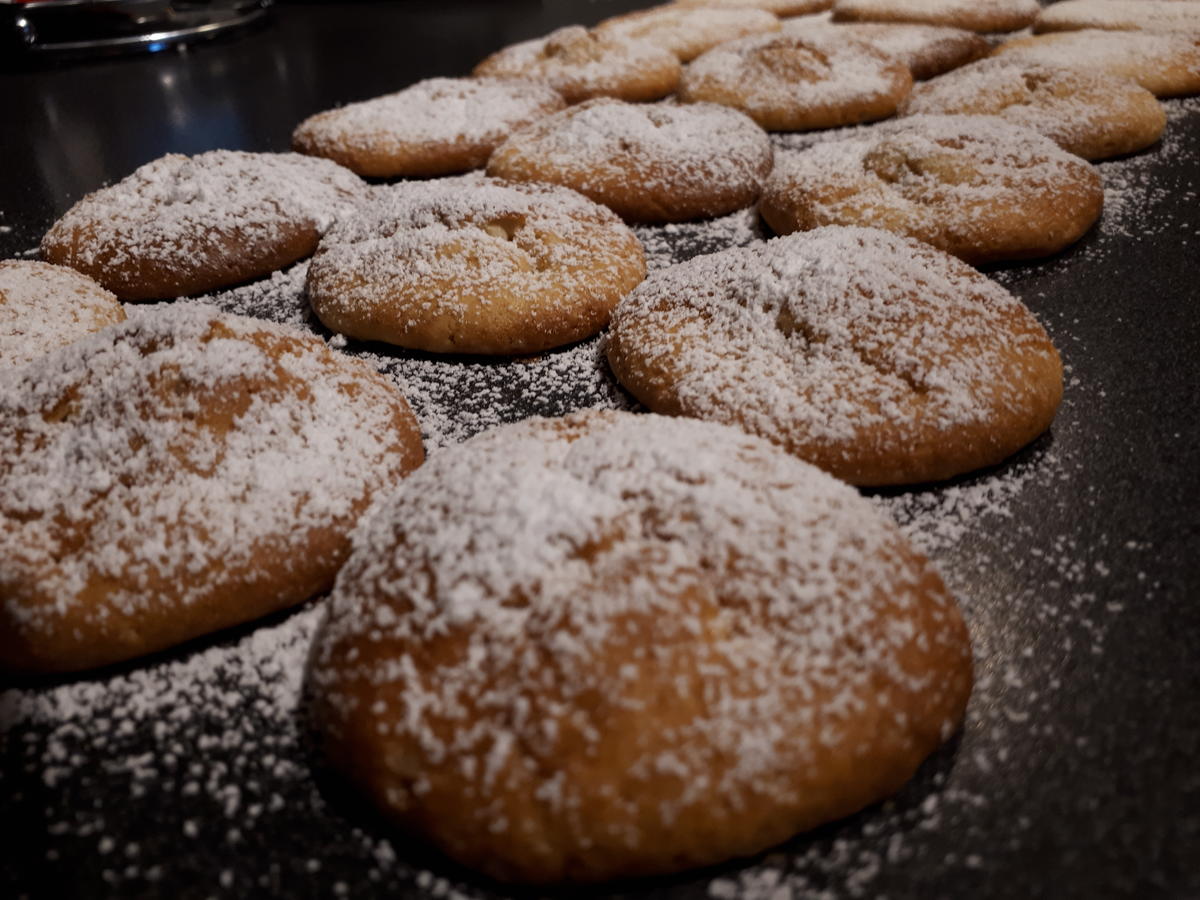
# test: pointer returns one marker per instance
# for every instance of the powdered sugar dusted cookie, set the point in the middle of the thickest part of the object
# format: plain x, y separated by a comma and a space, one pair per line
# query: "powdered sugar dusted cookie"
580, 64
615, 645
875, 357
184, 225
1121, 15
974, 186
778, 7
43, 307
1167, 65
790, 83
687, 31
179, 473
1091, 114
927, 50
471, 265
439, 126
973, 15
647, 162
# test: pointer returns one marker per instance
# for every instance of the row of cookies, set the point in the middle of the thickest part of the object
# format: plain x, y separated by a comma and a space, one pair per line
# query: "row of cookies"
482, 596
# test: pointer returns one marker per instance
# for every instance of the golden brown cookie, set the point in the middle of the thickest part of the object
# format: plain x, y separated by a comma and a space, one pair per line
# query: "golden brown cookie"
616, 645
973, 15
44, 306
1120, 15
473, 265
877, 358
687, 31
185, 225
927, 50
439, 126
179, 473
646, 162
1167, 65
581, 64
1090, 114
790, 83
974, 186
778, 7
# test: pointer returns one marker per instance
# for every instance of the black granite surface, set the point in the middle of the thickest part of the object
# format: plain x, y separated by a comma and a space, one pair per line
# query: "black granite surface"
1078, 562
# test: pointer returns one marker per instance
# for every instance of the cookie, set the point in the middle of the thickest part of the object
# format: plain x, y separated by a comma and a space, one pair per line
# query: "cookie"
616, 645
43, 307
581, 64
472, 265
186, 225
1090, 114
646, 162
440, 126
790, 83
1120, 15
1167, 65
687, 31
974, 186
927, 50
179, 473
973, 15
778, 7
877, 358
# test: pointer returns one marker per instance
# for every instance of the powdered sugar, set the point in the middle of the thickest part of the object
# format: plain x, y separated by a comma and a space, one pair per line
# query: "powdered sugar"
44, 306
688, 31
581, 64
646, 161
164, 460
1139, 15
926, 49
787, 82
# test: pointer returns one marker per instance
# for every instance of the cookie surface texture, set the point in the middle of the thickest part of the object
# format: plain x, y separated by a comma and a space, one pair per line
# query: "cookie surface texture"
43, 307
440, 126
180, 473
617, 645
1121, 15
1167, 65
974, 186
927, 50
1088, 113
185, 225
778, 7
973, 15
687, 31
874, 357
646, 162
474, 265
787, 82
581, 64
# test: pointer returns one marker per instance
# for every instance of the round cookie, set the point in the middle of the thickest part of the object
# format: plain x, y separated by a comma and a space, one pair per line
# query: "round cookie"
778, 7
974, 186
790, 83
973, 15
927, 50
43, 307
687, 31
877, 358
440, 126
1120, 15
1167, 65
186, 225
581, 64
616, 645
179, 473
473, 265
1090, 114
646, 162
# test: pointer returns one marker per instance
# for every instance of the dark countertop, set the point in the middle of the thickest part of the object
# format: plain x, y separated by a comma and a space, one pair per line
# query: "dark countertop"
1078, 562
